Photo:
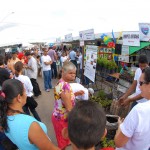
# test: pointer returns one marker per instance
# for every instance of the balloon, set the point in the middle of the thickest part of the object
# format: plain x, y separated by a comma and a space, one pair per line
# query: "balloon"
103, 35
111, 44
107, 41
106, 38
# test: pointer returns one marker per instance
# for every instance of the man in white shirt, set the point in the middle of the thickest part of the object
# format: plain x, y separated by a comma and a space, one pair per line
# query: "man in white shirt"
46, 66
136, 98
32, 73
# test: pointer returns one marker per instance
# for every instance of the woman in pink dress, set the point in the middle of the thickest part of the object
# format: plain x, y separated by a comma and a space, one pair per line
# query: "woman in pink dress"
64, 102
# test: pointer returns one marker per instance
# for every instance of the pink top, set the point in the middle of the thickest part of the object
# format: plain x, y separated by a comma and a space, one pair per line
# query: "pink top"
60, 111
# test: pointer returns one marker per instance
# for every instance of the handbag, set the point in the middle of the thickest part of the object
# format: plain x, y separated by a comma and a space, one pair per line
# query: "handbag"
31, 102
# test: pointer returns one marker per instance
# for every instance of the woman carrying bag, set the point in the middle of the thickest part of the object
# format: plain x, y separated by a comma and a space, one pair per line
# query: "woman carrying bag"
31, 103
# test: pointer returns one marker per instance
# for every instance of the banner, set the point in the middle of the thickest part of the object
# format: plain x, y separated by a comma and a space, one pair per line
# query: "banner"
87, 35
123, 58
144, 29
58, 40
68, 37
131, 38
91, 61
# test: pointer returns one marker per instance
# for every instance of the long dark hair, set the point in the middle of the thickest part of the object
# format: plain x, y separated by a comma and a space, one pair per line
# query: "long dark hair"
18, 67
11, 88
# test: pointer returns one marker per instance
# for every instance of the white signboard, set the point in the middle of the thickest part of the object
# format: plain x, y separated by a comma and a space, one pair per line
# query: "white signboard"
81, 43
68, 37
123, 58
144, 29
131, 38
125, 50
58, 40
91, 60
87, 35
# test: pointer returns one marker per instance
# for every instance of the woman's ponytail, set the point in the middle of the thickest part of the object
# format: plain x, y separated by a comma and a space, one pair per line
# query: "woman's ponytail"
3, 112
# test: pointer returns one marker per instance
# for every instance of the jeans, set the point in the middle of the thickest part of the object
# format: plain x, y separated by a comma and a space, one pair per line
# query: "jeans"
33, 111
54, 70
47, 79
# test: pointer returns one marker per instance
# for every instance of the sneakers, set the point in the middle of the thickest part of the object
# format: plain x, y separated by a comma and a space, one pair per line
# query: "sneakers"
48, 90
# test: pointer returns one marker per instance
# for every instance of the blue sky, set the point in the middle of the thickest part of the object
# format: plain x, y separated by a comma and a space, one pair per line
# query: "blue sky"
48, 20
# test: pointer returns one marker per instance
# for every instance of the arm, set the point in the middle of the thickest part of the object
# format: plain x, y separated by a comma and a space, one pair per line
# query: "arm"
78, 93
66, 97
131, 89
120, 139
48, 63
55, 56
36, 134
128, 92
29, 85
126, 128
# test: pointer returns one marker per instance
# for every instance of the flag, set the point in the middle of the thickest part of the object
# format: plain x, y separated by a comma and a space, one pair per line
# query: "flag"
113, 36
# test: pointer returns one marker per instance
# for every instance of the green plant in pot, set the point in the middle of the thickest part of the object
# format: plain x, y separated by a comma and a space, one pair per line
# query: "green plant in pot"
112, 66
100, 63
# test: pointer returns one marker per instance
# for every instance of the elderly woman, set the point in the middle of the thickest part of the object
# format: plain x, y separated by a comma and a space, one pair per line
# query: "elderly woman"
23, 130
64, 102
134, 131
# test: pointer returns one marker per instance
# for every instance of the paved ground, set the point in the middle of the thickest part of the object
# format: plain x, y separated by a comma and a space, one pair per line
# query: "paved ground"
45, 108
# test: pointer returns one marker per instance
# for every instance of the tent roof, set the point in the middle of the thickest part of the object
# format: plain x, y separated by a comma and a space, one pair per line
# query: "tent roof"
133, 49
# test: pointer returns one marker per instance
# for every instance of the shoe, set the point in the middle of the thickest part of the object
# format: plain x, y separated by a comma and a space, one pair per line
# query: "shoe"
47, 90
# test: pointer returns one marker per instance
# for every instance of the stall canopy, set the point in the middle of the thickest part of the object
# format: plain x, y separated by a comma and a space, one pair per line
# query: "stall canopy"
133, 49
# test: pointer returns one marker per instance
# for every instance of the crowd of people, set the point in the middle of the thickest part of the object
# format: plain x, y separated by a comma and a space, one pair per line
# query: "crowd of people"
81, 123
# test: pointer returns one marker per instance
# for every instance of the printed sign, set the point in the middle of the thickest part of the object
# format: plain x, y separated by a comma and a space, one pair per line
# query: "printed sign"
68, 37
81, 43
131, 38
125, 50
91, 61
87, 35
144, 29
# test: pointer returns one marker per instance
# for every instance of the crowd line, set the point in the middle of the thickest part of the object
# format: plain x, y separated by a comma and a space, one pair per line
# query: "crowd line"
76, 120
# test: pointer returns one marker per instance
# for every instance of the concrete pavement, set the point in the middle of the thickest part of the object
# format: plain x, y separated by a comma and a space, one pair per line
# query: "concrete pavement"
45, 107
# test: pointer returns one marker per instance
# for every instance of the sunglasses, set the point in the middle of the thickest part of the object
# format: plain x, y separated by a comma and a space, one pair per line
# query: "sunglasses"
142, 82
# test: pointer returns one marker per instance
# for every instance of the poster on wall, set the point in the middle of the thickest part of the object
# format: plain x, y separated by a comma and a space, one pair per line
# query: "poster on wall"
68, 37
125, 50
144, 29
131, 38
90, 63
87, 35
106, 52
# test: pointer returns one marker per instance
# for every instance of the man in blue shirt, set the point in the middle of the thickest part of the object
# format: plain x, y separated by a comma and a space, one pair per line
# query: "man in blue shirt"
73, 57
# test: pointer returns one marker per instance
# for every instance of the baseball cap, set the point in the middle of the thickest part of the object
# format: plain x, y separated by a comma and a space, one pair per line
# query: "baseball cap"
91, 91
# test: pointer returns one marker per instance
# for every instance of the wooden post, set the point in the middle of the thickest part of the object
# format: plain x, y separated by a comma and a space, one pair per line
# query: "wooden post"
82, 64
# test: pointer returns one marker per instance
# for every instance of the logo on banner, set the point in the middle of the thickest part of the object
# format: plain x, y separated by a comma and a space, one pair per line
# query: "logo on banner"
145, 30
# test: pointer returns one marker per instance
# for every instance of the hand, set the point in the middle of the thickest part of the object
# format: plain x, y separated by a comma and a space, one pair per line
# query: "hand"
25, 66
120, 120
121, 99
81, 92
126, 102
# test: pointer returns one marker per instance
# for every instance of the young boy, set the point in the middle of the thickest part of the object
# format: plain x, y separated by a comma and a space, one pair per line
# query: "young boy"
86, 125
